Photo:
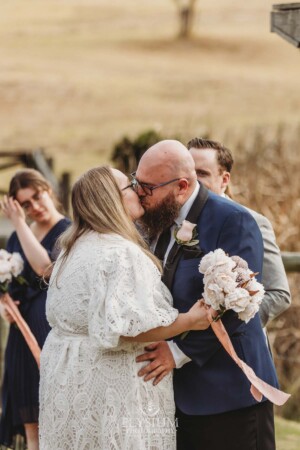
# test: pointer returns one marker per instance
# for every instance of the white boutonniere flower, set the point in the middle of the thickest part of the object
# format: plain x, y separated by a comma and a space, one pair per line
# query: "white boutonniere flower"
186, 234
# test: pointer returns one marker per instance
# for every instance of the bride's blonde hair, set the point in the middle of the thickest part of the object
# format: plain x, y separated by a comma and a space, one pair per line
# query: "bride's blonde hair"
97, 203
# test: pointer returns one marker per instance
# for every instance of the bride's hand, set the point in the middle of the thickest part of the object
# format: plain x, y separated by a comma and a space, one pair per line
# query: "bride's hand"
198, 314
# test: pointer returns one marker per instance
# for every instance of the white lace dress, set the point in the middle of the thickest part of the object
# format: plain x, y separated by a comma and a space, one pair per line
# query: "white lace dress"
90, 394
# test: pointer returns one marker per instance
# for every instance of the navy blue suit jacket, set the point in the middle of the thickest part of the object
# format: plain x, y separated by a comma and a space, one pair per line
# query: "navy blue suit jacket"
212, 383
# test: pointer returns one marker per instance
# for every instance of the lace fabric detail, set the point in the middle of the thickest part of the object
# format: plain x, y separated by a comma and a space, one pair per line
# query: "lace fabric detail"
90, 394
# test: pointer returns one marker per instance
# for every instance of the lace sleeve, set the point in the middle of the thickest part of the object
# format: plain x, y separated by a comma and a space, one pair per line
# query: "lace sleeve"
128, 297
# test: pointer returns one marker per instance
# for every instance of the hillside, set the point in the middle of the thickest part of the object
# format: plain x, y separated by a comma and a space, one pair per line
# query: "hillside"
78, 75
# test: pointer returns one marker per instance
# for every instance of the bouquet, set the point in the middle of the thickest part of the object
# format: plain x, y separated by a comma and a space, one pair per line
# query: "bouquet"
11, 265
229, 284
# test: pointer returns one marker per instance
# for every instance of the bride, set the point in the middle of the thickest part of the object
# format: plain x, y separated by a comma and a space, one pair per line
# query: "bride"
105, 300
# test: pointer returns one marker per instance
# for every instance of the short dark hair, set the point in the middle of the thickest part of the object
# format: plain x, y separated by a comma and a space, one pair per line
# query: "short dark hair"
224, 155
31, 178
27, 178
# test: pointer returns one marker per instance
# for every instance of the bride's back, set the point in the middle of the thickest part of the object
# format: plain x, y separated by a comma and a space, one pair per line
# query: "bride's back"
73, 281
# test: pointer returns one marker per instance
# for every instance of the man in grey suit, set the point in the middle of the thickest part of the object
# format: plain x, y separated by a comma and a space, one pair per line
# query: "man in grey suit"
213, 166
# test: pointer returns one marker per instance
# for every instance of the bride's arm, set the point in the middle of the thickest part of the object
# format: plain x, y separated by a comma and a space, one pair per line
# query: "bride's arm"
195, 319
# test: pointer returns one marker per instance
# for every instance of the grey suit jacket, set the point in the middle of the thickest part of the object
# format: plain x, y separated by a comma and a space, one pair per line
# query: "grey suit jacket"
277, 297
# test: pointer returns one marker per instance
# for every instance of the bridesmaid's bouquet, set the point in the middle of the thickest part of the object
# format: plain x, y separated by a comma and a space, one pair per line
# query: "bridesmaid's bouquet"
11, 265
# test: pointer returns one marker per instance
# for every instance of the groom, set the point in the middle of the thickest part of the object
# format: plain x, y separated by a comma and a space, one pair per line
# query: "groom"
215, 408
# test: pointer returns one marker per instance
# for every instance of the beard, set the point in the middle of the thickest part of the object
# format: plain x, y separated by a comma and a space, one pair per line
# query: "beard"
160, 216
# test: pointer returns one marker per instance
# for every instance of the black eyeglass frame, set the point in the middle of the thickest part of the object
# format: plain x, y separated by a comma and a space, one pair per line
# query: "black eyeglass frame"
131, 185
136, 183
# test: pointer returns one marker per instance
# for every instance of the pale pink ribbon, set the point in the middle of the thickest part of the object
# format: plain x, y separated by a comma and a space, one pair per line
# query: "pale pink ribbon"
259, 388
31, 341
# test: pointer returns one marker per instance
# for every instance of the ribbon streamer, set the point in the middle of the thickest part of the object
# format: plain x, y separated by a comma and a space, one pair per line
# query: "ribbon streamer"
30, 339
259, 388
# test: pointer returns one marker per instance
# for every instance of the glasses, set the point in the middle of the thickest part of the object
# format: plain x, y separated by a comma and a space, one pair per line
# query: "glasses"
131, 185
148, 190
38, 198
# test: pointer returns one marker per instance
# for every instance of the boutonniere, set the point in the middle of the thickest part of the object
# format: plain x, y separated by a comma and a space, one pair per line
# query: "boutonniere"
186, 234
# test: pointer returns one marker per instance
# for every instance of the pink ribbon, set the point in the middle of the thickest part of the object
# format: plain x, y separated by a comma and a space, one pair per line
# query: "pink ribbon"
259, 388
31, 341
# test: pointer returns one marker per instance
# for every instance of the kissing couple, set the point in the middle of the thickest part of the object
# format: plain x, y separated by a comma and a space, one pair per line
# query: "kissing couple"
109, 295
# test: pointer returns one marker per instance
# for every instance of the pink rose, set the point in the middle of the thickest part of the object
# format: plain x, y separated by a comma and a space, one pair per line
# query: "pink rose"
185, 232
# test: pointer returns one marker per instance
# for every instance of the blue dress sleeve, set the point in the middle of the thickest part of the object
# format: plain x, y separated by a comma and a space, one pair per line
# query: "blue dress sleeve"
50, 240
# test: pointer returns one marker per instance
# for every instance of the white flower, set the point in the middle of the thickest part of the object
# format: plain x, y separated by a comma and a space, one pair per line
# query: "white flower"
5, 271
214, 296
17, 264
230, 284
216, 258
249, 312
227, 282
240, 262
11, 265
4, 255
256, 290
243, 275
237, 300
221, 268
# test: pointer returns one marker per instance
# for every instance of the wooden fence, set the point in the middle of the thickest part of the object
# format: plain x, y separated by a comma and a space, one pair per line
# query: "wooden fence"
291, 261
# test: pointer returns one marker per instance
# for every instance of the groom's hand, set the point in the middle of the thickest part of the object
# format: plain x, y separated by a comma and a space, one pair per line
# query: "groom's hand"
162, 362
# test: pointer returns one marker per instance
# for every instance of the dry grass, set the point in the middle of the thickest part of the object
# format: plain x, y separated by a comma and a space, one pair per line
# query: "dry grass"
287, 434
77, 75
267, 164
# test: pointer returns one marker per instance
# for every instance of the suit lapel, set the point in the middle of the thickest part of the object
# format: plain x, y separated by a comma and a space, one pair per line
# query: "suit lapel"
176, 250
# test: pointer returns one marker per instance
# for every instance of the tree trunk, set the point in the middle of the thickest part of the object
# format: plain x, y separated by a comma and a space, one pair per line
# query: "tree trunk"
186, 11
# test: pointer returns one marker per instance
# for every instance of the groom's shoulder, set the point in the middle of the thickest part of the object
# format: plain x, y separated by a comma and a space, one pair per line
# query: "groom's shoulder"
224, 205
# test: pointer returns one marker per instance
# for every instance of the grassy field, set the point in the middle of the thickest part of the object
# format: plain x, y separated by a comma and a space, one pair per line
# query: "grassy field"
78, 75
287, 434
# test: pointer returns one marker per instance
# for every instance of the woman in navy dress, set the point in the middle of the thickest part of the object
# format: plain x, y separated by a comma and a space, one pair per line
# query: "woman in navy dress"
30, 199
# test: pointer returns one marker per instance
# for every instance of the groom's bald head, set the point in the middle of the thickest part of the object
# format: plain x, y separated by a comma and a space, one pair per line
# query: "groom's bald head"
169, 169
168, 159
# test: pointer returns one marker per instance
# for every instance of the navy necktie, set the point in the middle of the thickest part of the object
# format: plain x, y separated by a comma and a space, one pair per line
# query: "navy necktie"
163, 243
